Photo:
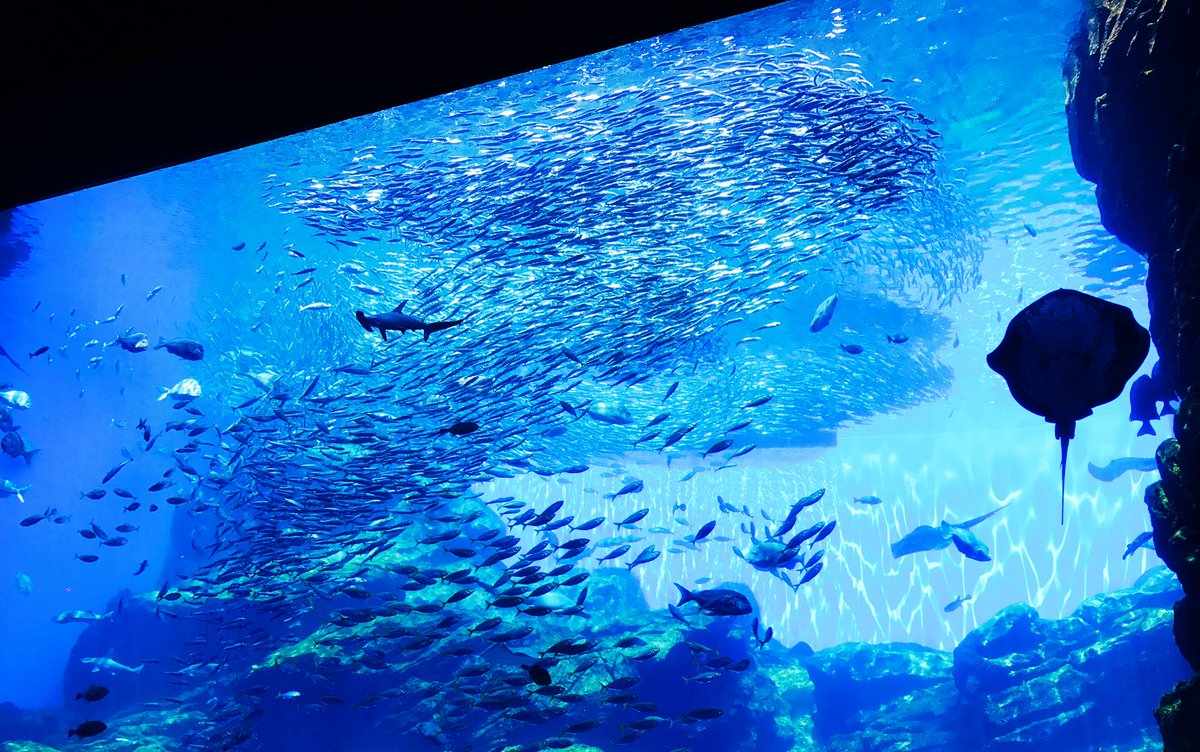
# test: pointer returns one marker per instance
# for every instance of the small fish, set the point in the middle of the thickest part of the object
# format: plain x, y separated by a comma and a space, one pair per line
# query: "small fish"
187, 349
40, 351
634, 486
677, 436
634, 518
658, 419
670, 391
87, 558
743, 451
318, 306
897, 339
616, 553
868, 500
142, 567
1029, 229
462, 428
852, 348
720, 446
704, 531
957, 603
116, 469
93, 693
648, 554
87, 729
758, 402
154, 291
1143, 540
95, 494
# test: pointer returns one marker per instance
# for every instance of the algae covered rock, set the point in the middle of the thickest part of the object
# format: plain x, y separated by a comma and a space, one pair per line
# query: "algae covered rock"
856, 677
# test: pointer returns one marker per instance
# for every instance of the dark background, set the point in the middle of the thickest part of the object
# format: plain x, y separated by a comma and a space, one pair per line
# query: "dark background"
95, 92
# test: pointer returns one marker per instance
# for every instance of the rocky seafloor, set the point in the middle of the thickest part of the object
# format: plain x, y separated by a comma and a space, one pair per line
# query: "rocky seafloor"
1089, 681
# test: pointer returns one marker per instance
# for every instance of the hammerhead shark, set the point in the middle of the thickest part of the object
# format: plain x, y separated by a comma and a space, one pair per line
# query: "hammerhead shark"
398, 321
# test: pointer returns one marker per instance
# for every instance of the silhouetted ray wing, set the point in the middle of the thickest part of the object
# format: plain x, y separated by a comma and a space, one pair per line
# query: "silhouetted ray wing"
1066, 353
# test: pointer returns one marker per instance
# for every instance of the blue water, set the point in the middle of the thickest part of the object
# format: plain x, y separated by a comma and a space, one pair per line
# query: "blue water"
653, 206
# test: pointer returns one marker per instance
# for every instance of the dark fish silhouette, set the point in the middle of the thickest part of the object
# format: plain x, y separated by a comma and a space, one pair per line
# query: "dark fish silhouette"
4, 354
1118, 467
1143, 405
935, 538
398, 321
1066, 353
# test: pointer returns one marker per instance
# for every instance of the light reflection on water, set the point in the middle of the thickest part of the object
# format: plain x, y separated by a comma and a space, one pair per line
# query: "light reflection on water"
923, 477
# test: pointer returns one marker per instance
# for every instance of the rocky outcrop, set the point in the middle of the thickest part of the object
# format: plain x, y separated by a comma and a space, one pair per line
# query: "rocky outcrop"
1133, 111
1017, 682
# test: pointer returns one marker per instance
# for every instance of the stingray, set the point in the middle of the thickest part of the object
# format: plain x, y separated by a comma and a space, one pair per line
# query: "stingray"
1066, 353
930, 538
1118, 467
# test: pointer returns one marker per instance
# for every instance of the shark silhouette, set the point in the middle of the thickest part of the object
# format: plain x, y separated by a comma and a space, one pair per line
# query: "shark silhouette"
398, 321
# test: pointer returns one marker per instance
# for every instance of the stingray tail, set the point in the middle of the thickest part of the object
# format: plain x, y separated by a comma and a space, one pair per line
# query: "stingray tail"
1064, 432
1062, 499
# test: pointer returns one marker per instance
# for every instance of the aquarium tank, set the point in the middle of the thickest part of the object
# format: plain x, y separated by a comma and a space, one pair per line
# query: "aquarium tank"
769, 385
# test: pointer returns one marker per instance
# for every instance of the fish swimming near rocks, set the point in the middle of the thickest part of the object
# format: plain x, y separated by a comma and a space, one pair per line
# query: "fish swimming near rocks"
108, 664
716, 602
94, 693
1143, 404
1065, 354
87, 729
1143, 540
398, 321
957, 603
84, 617
1118, 467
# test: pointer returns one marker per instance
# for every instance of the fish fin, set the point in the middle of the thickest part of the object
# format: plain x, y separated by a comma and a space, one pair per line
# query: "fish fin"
438, 326
29, 456
1167, 409
399, 308
1146, 429
684, 595
383, 333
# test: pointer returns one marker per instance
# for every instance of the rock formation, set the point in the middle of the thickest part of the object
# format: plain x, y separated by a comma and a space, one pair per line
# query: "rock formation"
1133, 109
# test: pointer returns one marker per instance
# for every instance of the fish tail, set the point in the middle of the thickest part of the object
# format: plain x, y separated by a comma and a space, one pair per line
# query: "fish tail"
29, 456
137, 670
1146, 429
684, 595
437, 326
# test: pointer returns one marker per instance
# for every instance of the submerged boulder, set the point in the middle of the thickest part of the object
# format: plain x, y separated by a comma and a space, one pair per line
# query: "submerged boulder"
1017, 682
